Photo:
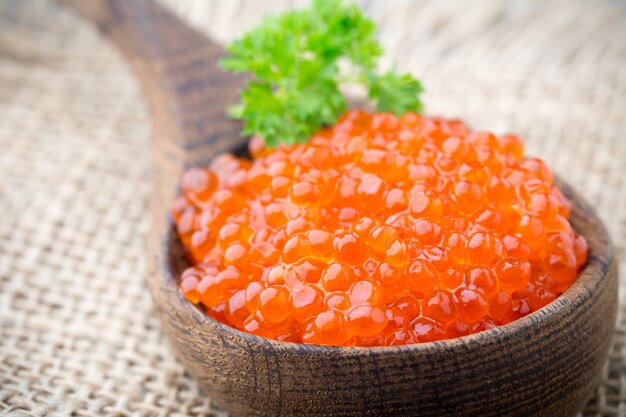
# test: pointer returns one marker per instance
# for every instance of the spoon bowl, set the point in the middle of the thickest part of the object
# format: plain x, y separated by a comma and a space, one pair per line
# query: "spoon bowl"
544, 364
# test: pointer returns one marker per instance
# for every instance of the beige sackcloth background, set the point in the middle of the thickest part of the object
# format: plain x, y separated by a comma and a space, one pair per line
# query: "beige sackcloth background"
78, 336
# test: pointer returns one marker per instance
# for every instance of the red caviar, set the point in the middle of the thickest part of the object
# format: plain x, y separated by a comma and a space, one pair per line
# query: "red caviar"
379, 231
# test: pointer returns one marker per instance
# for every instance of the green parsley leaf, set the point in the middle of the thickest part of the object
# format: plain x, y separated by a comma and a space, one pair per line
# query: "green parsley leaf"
395, 93
295, 63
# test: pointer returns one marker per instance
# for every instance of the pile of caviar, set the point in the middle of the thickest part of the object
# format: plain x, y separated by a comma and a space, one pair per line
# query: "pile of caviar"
381, 230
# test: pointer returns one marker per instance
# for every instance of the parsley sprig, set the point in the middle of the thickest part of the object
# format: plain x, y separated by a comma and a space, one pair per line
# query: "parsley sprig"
298, 62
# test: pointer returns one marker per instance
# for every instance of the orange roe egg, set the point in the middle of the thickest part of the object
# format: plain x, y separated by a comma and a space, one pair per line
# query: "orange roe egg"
379, 231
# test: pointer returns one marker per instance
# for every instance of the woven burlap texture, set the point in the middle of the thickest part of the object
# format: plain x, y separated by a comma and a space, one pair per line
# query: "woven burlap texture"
77, 331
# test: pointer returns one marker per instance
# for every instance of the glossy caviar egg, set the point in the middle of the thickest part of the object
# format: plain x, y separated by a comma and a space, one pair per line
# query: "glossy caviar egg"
379, 231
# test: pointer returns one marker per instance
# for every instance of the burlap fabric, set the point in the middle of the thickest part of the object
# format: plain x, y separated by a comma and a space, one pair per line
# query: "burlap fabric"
77, 332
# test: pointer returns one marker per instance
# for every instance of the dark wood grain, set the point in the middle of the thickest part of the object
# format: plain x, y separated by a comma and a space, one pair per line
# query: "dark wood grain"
545, 364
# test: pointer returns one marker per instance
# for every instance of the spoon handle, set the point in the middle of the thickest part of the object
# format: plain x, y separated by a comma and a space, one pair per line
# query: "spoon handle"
186, 90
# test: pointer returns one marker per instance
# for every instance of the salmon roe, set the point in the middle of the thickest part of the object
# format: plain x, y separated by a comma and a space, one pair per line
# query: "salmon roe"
379, 231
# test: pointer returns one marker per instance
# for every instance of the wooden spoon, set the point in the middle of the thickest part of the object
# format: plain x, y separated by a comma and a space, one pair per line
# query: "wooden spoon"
545, 364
